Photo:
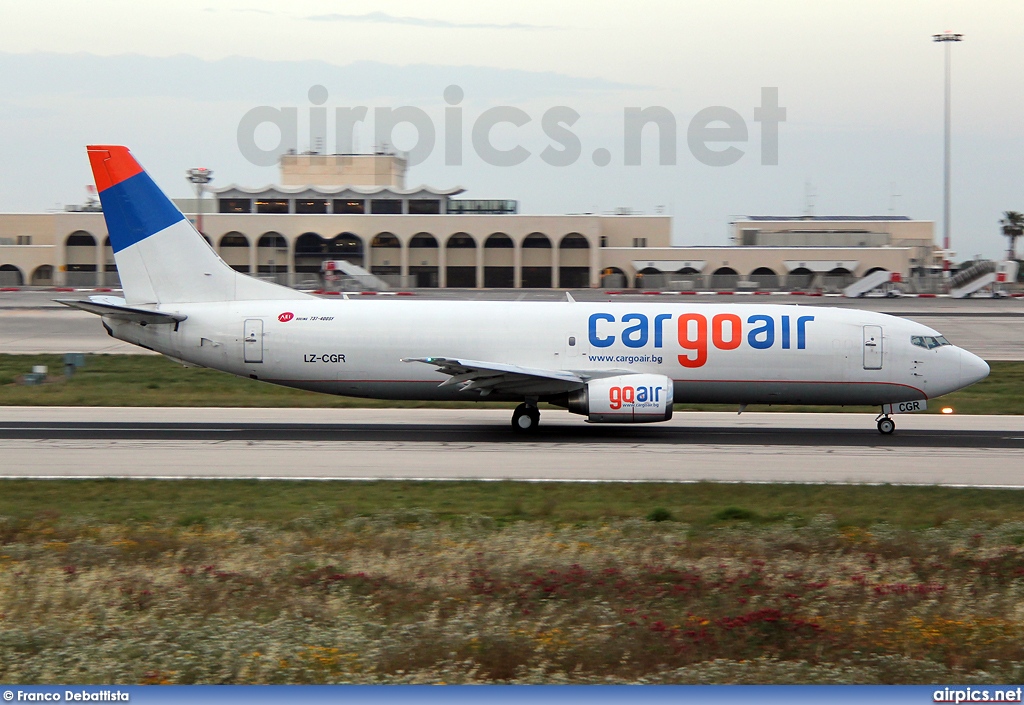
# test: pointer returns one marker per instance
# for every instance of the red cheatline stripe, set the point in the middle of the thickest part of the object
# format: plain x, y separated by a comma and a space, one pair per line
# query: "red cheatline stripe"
111, 164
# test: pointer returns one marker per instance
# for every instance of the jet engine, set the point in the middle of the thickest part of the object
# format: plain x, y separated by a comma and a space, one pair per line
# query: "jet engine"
624, 399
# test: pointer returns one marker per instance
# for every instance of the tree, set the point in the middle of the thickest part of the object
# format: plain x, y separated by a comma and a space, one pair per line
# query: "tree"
1013, 228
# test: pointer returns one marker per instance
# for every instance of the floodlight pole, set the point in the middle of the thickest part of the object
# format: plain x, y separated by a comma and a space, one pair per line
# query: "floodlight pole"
947, 38
199, 177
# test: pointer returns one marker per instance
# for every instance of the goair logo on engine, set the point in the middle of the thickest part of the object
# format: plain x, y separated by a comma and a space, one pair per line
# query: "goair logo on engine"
696, 335
633, 396
629, 398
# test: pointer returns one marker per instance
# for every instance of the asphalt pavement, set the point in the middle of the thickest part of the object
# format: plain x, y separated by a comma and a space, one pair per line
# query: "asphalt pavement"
452, 444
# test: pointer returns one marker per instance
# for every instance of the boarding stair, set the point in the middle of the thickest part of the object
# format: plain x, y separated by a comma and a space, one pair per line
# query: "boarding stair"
884, 281
990, 276
333, 270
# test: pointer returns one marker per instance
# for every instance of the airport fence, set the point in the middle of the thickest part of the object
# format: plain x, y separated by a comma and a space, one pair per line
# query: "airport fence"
368, 282
828, 283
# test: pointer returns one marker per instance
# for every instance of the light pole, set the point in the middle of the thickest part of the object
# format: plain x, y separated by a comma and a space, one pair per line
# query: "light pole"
199, 177
948, 38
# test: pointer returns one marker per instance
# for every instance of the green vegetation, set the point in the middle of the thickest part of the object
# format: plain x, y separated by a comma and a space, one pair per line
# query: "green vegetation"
402, 582
147, 380
703, 504
150, 380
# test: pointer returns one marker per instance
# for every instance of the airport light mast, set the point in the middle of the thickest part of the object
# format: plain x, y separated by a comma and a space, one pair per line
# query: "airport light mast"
947, 38
199, 177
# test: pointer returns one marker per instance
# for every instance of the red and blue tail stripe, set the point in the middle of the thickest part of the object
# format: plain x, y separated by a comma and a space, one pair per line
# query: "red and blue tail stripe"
133, 205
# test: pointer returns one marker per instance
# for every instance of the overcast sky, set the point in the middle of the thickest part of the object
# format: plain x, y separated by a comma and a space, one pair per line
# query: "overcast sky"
861, 83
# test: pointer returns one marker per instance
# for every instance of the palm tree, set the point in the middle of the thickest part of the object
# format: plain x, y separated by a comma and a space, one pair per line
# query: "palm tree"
1013, 228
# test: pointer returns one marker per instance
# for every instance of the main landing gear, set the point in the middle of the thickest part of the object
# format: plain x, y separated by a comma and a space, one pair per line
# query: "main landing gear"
526, 418
885, 424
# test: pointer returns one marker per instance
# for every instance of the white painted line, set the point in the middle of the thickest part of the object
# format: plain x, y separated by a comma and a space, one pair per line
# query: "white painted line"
536, 480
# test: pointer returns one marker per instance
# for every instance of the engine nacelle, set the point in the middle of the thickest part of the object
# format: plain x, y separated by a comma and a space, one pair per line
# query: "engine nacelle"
624, 399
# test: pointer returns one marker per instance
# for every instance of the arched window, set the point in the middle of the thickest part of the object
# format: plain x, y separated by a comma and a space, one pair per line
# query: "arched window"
537, 240
80, 259
461, 269
234, 239
384, 262
273, 240
613, 277
574, 267
43, 276
649, 278
346, 244
11, 276
765, 278
272, 255
423, 265
498, 260
836, 279
799, 278
423, 241
724, 278
574, 241
500, 241
536, 271
461, 241
385, 240
234, 250
310, 244
80, 238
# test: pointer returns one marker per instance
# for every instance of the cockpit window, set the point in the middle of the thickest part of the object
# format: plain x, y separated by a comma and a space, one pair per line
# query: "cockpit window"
929, 342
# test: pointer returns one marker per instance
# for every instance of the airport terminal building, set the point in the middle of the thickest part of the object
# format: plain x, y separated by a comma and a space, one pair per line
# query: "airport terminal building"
357, 209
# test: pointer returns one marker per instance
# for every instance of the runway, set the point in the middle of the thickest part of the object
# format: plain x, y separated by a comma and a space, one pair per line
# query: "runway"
448, 444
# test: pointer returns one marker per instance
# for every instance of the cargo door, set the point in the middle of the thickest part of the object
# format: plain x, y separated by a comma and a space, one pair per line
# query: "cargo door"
872, 347
252, 341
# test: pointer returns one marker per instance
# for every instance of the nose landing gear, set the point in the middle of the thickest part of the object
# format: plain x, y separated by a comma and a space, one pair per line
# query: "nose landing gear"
885, 425
526, 418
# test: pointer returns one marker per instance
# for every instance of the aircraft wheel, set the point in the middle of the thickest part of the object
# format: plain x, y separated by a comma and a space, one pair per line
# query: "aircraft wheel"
886, 426
525, 419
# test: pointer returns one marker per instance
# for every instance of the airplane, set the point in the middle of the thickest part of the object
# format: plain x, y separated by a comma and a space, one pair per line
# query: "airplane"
611, 362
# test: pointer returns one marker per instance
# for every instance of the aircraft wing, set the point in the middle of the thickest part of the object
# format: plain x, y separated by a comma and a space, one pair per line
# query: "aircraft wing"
487, 377
125, 313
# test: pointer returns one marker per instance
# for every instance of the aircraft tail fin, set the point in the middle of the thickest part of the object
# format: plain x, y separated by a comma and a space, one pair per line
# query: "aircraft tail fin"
160, 256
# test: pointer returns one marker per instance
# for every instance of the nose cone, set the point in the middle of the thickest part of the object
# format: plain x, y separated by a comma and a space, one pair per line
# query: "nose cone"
972, 368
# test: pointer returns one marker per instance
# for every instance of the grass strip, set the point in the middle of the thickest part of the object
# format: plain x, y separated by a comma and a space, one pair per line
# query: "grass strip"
210, 502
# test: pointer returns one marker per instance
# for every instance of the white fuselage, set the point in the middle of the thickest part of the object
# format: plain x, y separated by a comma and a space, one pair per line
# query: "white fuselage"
735, 353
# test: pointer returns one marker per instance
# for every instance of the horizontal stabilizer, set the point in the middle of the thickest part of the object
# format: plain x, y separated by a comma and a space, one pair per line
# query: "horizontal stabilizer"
124, 313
